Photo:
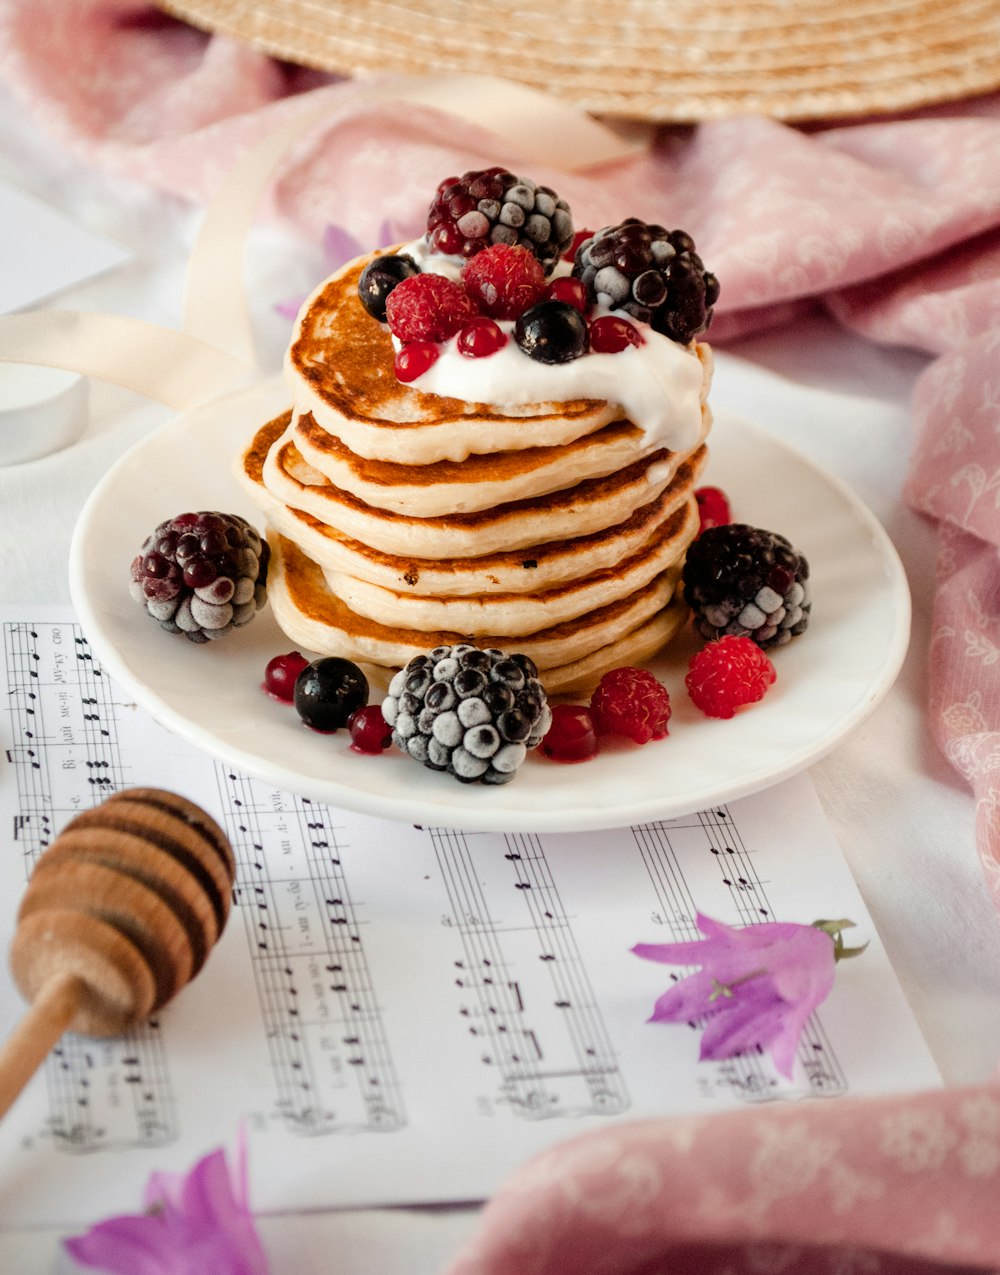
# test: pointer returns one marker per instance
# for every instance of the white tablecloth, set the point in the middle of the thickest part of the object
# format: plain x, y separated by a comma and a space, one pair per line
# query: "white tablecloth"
903, 818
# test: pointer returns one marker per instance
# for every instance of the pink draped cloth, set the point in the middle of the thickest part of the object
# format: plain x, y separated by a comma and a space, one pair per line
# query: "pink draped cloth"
893, 226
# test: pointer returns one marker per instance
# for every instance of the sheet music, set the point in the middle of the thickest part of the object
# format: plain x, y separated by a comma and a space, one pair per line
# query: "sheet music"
400, 1014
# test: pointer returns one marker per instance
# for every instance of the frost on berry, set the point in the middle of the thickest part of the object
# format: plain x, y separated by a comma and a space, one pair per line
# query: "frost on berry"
632, 703
504, 280
728, 674
427, 307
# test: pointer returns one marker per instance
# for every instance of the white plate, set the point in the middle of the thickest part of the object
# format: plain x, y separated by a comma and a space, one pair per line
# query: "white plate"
829, 679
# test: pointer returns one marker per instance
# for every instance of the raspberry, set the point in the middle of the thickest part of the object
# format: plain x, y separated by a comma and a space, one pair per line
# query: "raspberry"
631, 702
503, 281
470, 712
370, 732
427, 307
747, 582
728, 674
571, 735
492, 206
653, 274
280, 675
201, 574
713, 508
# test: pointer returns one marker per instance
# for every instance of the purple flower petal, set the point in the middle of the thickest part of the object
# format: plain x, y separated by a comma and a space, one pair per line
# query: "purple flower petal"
198, 1221
755, 987
339, 246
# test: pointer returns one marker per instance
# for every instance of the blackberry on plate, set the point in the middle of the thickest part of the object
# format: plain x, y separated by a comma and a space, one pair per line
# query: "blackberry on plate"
473, 713
379, 278
651, 273
492, 206
742, 581
201, 574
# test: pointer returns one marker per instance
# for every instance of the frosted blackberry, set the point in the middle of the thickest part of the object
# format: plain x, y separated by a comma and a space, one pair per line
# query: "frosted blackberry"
492, 206
473, 713
742, 581
201, 574
653, 274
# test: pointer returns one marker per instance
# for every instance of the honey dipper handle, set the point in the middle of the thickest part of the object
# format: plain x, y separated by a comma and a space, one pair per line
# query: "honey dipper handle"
51, 1012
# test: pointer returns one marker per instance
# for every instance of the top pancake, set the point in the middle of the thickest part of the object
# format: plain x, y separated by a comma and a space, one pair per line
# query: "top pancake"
340, 370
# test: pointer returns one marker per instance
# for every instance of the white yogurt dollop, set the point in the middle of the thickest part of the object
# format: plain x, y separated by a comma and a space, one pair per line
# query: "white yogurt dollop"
658, 384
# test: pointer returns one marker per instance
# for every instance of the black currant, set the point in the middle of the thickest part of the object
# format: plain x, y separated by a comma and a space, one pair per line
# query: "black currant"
379, 278
328, 691
552, 332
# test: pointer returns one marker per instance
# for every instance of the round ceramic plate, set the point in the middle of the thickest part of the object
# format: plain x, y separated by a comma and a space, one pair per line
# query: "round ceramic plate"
828, 680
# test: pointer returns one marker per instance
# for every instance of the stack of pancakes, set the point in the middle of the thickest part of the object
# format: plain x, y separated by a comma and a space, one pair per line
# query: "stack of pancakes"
401, 520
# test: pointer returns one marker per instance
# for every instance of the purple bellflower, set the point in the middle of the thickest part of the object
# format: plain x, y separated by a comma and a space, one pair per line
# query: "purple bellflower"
755, 987
339, 247
194, 1223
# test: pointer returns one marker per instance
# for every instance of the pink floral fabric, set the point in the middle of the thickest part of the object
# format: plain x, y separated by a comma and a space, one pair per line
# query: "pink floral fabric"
893, 226
854, 1187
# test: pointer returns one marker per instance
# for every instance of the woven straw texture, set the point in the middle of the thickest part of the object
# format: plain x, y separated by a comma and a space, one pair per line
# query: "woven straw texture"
657, 60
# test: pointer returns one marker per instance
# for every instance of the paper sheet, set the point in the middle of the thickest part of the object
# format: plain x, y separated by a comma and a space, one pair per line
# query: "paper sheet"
44, 251
401, 1014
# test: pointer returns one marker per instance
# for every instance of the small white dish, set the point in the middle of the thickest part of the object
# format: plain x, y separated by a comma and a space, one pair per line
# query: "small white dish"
829, 679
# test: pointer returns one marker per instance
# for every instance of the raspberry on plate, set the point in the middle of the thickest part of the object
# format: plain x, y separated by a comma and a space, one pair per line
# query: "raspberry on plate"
632, 703
728, 674
428, 307
504, 280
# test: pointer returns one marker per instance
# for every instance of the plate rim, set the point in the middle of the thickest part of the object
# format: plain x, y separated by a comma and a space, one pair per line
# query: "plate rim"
472, 815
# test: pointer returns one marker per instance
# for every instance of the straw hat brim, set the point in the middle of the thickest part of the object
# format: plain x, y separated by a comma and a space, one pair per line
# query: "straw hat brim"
673, 61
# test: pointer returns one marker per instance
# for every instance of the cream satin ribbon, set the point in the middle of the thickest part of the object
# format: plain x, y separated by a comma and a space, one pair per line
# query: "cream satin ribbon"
214, 353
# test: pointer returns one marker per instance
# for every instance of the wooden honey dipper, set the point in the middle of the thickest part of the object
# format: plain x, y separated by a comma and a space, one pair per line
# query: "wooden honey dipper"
119, 914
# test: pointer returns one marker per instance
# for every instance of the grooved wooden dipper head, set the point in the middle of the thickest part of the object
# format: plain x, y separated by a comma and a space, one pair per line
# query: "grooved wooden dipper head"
124, 907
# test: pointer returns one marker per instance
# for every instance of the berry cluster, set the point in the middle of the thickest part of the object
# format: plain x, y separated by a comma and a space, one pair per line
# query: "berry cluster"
473, 713
653, 274
328, 693
201, 574
492, 206
502, 282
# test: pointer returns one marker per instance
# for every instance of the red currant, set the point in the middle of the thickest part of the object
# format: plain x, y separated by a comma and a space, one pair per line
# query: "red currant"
572, 291
481, 338
280, 675
370, 733
713, 508
611, 335
414, 359
571, 737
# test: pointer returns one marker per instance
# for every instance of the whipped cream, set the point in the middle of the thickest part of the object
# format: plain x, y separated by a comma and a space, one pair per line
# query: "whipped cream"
658, 384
